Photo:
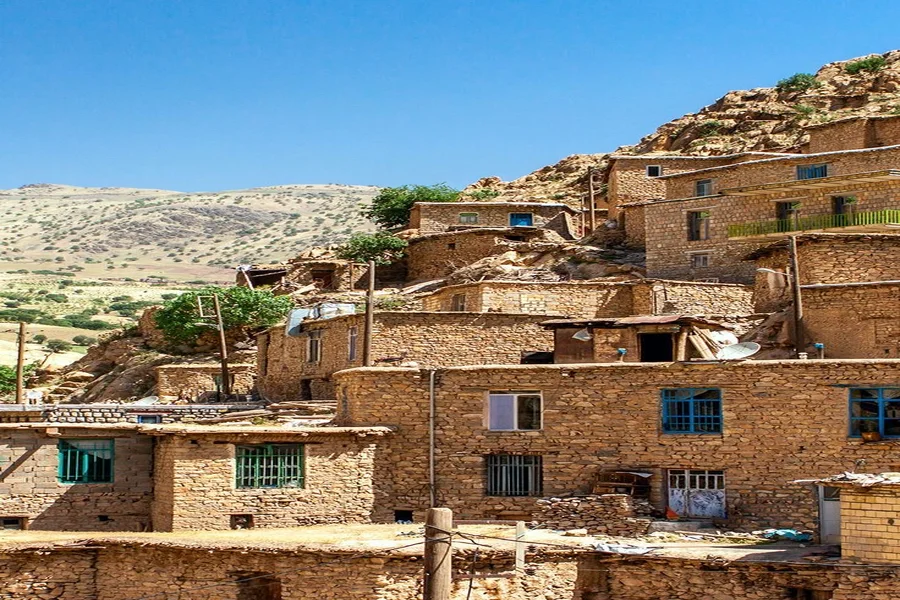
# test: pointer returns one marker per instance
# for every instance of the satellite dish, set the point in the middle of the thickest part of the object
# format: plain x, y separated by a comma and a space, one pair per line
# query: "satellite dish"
582, 335
738, 351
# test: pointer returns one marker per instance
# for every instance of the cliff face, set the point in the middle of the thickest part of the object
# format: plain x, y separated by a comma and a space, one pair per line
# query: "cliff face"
761, 119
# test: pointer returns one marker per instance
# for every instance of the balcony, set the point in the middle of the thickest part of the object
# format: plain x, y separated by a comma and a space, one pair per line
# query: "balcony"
855, 221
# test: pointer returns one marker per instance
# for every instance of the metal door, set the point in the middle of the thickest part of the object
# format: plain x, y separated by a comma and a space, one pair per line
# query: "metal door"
829, 515
697, 493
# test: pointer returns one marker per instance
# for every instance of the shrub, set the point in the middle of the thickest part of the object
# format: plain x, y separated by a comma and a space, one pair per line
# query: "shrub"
59, 298
798, 82
710, 128
483, 194
58, 346
8, 377
383, 248
804, 110
871, 64
390, 208
241, 307
39, 338
84, 340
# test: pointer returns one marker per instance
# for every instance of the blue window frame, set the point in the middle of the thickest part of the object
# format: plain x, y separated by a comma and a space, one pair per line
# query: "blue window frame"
692, 410
875, 409
812, 171
521, 220
86, 461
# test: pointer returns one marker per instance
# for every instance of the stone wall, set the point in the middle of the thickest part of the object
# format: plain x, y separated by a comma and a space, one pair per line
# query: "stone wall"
30, 488
443, 216
669, 250
854, 321
188, 382
607, 417
116, 413
607, 514
195, 483
635, 225
438, 254
426, 338
856, 132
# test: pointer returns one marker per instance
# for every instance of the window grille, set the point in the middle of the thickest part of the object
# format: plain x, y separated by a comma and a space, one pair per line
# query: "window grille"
875, 409
269, 466
352, 339
314, 347
86, 461
703, 187
812, 171
514, 475
149, 419
695, 479
514, 411
692, 410
468, 218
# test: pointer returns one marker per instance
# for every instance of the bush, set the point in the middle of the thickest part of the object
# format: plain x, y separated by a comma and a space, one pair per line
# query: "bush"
8, 377
58, 346
871, 64
804, 110
241, 307
483, 194
59, 298
381, 247
84, 340
710, 128
39, 338
390, 208
798, 82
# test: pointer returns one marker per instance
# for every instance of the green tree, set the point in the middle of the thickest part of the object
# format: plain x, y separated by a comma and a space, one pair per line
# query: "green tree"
179, 319
798, 82
390, 208
8, 377
84, 340
39, 338
58, 346
384, 248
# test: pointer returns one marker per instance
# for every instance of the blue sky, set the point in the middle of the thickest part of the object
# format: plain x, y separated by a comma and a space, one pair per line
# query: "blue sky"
224, 94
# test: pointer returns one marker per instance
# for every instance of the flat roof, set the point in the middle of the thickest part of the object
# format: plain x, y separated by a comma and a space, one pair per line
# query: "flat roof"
803, 238
194, 429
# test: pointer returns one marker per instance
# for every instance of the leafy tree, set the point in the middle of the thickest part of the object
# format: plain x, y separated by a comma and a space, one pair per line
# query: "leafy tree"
390, 208
58, 346
798, 82
384, 248
84, 340
39, 338
241, 307
8, 377
872, 64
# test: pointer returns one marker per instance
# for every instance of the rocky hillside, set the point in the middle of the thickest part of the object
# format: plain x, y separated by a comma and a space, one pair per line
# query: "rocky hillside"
762, 119
121, 232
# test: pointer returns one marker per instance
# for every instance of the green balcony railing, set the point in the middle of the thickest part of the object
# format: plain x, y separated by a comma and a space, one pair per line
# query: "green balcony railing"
813, 222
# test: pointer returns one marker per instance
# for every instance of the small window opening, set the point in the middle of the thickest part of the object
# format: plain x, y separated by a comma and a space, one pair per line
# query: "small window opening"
149, 419
812, 171
458, 303
703, 187
699, 261
807, 594
352, 343
451, 246
468, 218
12, 523
656, 347
515, 238
403, 516
241, 521
323, 278
654, 170
103, 518
253, 585
314, 347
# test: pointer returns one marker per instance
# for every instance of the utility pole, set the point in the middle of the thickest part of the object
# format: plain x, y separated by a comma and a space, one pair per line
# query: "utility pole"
20, 366
370, 317
225, 387
591, 199
798, 300
438, 553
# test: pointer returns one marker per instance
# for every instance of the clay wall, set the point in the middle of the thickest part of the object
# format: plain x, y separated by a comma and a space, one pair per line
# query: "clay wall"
608, 417
30, 488
440, 217
190, 381
868, 532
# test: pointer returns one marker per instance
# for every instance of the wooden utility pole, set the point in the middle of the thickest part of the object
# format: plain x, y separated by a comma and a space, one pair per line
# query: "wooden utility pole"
370, 317
438, 553
591, 199
223, 349
798, 300
20, 367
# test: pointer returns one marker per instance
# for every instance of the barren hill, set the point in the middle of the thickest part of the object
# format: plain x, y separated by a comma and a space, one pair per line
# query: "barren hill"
761, 119
119, 232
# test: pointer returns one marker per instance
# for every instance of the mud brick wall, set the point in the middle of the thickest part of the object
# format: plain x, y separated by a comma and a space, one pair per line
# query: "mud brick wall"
196, 488
189, 381
435, 218
607, 514
437, 255
669, 250
429, 339
608, 417
29, 485
869, 528
854, 321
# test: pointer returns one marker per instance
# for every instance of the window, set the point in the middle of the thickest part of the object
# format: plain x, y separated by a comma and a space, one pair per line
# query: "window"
875, 410
451, 246
12, 523
703, 187
458, 303
699, 261
514, 411
314, 347
269, 466
521, 220
149, 418
468, 218
654, 170
812, 171
352, 338
692, 410
698, 225
86, 461
514, 475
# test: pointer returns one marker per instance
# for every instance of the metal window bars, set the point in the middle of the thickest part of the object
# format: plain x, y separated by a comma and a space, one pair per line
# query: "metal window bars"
514, 475
269, 466
692, 410
86, 461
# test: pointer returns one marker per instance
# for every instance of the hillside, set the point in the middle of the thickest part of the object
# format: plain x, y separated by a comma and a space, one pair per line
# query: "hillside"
761, 119
136, 233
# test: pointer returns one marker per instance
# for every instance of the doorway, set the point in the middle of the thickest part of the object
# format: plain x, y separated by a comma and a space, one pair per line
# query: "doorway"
323, 278
697, 493
656, 347
829, 514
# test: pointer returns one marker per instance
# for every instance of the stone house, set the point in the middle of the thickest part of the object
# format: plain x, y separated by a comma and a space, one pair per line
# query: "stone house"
194, 382
722, 441
130, 477
300, 367
437, 255
438, 217
256, 275
590, 299
712, 217
870, 131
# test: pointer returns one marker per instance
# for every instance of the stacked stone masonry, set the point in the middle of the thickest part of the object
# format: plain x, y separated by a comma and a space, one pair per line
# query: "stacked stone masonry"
188, 382
607, 514
444, 216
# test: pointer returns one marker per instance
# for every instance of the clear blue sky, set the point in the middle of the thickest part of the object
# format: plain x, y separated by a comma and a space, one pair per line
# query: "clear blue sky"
223, 94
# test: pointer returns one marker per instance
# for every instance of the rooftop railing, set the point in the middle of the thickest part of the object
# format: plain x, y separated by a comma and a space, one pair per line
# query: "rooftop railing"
814, 222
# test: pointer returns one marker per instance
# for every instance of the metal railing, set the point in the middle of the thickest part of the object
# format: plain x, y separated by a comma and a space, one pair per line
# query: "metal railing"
813, 222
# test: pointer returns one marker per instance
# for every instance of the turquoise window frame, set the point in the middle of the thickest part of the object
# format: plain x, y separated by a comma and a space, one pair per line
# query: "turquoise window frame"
270, 466
86, 460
